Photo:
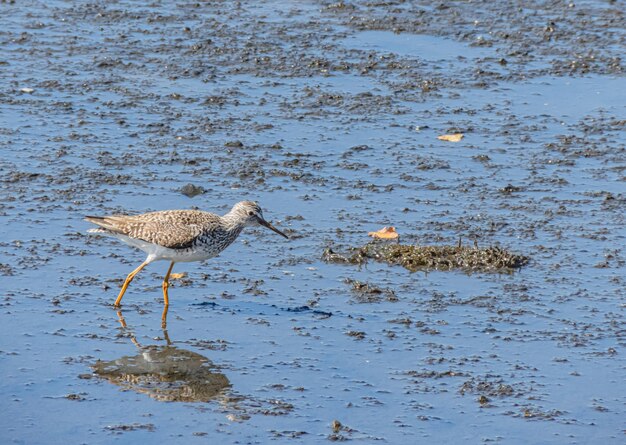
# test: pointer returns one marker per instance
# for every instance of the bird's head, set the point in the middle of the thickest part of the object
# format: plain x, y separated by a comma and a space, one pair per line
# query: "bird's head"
251, 214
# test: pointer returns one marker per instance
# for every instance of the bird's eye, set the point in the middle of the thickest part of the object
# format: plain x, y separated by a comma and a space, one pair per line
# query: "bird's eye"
250, 213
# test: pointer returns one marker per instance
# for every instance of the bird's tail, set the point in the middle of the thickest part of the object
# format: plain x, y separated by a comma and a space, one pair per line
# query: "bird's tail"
98, 230
108, 224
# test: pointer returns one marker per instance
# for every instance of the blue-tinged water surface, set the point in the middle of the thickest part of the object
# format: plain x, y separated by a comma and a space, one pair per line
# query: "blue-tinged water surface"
327, 114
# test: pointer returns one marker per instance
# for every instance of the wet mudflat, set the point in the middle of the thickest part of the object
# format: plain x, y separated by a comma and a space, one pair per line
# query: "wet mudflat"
328, 115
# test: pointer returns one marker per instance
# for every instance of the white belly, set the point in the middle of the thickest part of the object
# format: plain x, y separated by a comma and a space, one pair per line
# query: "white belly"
181, 255
156, 252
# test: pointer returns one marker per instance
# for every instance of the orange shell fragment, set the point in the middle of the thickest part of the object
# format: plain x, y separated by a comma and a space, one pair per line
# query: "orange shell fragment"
385, 233
456, 137
178, 276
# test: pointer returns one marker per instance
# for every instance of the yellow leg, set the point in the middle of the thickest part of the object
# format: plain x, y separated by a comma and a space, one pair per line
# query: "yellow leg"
166, 284
164, 323
129, 278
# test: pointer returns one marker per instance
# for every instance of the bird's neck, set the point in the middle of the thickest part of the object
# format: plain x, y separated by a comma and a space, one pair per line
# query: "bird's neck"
233, 222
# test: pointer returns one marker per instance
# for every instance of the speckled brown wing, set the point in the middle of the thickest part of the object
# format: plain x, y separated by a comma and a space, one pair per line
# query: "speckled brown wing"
175, 229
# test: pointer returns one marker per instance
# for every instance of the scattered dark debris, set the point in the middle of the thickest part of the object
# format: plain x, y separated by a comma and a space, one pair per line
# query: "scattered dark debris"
294, 218
6, 270
205, 303
258, 321
215, 100
289, 434
238, 417
352, 150
234, 144
61, 311
338, 428
389, 334
191, 190
359, 335
130, 427
534, 413
428, 331
406, 321
483, 400
582, 42
253, 288
445, 257
84, 281
277, 408
330, 256
211, 345
487, 388
427, 418
434, 374
509, 189
245, 407
482, 158
322, 314
369, 293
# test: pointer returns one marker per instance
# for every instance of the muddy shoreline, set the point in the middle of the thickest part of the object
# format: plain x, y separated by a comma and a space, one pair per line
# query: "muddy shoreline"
328, 114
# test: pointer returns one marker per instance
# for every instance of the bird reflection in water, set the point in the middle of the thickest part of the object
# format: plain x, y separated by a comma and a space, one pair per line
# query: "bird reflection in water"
165, 372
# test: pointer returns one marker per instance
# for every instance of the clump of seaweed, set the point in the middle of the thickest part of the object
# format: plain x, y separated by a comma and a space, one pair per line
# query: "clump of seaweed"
444, 257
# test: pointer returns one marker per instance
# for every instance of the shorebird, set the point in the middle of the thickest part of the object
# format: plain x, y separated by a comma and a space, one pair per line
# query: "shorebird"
179, 235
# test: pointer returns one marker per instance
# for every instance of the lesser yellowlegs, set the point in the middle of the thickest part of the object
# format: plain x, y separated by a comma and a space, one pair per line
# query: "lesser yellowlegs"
179, 235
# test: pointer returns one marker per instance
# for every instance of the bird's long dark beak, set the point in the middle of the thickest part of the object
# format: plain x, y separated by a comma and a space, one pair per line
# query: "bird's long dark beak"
271, 227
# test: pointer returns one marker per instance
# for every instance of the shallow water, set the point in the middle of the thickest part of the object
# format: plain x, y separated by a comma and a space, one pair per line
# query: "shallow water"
329, 119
